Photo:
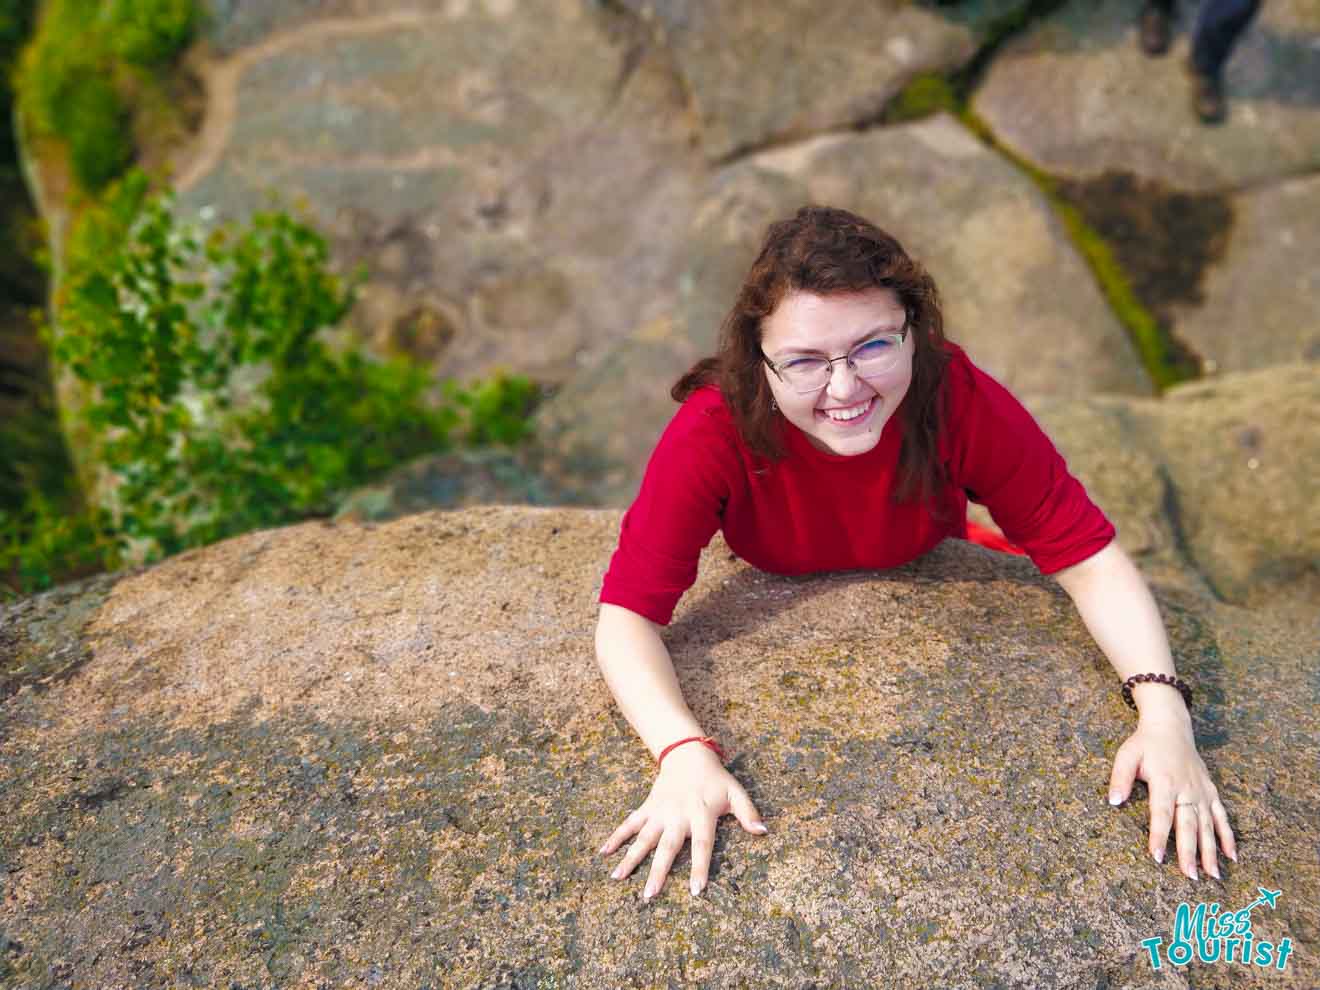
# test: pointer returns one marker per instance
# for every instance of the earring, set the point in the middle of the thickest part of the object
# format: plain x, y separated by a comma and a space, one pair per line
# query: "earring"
774, 406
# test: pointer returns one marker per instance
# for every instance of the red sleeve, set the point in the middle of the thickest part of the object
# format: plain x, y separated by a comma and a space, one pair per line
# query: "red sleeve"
1003, 459
677, 510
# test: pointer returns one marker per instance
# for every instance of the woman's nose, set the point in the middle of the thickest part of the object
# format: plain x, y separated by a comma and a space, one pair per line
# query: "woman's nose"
843, 381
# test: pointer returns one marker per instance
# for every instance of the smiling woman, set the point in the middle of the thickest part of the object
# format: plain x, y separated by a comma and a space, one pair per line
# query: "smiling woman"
834, 394
841, 404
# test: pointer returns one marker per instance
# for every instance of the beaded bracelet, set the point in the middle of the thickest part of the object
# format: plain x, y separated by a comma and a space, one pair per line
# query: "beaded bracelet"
707, 740
1168, 679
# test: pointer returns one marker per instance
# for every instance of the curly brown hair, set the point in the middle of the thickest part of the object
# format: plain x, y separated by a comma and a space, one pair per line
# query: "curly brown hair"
822, 250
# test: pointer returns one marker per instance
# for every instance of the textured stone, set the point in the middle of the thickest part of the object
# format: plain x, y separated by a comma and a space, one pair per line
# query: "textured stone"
1105, 442
1243, 455
1077, 97
498, 162
762, 74
461, 478
348, 755
1216, 478
1015, 293
1261, 303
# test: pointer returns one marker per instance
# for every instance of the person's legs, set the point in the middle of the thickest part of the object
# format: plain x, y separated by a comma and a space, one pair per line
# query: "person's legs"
1217, 29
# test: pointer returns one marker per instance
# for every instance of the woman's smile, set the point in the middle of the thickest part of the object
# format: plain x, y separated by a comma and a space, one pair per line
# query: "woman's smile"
850, 416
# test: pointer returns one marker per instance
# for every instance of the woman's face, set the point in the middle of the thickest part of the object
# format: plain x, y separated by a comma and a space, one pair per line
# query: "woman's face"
805, 324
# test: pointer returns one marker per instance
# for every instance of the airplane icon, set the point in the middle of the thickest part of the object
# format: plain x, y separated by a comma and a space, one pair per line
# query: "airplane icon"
1267, 897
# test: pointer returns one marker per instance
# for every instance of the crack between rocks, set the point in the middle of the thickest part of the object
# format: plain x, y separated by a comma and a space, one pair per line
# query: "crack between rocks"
1115, 288
646, 36
780, 142
1173, 512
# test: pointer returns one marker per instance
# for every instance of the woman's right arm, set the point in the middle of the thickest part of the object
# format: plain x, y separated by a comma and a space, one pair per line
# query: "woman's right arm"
640, 675
692, 790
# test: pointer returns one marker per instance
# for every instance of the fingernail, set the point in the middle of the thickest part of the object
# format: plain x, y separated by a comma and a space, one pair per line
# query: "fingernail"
617, 874
759, 827
1196, 874
1114, 799
1232, 857
695, 888
1159, 856
602, 849
1215, 873
646, 894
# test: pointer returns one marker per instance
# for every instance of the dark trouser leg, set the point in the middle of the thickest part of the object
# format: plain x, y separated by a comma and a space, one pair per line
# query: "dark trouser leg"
1217, 30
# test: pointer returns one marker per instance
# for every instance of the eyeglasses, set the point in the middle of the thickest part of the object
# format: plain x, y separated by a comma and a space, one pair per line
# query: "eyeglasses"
869, 359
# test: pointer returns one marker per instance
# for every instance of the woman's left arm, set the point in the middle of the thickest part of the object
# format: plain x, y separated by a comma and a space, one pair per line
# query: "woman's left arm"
1120, 612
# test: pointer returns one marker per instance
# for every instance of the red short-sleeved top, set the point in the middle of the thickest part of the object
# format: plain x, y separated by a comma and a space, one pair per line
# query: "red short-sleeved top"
816, 511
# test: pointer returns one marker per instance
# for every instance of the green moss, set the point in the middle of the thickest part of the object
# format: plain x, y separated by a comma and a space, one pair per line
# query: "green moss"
1164, 360
922, 96
74, 79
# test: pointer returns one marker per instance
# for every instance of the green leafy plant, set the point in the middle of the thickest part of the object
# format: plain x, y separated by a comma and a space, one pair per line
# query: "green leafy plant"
44, 528
151, 32
86, 55
497, 410
214, 402
44, 541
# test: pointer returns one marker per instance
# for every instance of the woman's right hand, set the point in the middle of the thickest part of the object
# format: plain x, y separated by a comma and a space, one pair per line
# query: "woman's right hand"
690, 794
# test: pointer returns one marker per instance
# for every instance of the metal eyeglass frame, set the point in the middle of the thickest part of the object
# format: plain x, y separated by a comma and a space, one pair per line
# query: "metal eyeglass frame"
901, 334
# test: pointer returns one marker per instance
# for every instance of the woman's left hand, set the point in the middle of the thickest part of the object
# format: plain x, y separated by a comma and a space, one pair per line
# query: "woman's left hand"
1163, 754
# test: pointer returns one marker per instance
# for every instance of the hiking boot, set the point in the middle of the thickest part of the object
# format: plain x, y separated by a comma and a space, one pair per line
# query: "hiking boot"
1208, 98
1154, 29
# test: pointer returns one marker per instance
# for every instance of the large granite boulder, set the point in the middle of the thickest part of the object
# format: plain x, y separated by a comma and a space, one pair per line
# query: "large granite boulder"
1015, 292
1077, 97
495, 167
383, 756
1243, 455
762, 74
1216, 478
1259, 303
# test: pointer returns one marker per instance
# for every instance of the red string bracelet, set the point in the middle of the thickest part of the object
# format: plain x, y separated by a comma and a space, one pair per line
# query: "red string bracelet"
707, 740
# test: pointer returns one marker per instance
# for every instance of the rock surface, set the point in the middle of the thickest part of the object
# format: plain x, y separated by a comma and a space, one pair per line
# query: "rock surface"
762, 74
1243, 454
1215, 478
1268, 278
493, 166
384, 756
1077, 97
461, 478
